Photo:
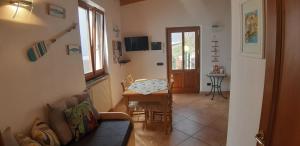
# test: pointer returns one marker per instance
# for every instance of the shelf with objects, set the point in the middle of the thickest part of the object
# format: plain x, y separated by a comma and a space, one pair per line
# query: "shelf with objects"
217, 73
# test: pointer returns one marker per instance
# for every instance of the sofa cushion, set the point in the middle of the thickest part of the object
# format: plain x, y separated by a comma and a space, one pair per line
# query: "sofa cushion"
81, 119
7, 138
108, 133
43, 134
24, 140
57, 119
85, 96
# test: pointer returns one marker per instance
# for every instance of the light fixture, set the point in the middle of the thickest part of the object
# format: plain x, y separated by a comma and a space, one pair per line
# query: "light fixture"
116, 29
27, 4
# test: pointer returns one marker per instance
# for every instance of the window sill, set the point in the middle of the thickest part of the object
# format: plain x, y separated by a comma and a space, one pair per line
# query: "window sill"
97, 80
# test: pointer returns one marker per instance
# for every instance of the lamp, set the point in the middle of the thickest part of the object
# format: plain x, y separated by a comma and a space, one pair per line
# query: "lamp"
27, 4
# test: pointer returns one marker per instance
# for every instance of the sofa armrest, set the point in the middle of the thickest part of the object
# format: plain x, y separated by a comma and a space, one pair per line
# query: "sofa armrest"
113, 116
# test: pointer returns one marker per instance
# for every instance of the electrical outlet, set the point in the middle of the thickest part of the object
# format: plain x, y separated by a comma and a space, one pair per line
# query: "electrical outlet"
208, 84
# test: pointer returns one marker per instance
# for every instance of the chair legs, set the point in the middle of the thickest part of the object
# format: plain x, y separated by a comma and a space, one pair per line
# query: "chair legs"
136, 114
151, 114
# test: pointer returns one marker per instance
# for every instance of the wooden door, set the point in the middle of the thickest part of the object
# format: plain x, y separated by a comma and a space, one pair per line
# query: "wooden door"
280, 119
183, 55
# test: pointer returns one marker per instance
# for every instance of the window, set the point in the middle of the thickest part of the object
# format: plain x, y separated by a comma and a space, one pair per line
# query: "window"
91, 22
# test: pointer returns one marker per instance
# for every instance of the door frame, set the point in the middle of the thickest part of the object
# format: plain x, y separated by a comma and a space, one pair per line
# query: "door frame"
273, 54
198, 47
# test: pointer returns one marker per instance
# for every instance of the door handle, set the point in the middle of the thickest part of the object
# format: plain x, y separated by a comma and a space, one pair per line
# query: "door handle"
260, 138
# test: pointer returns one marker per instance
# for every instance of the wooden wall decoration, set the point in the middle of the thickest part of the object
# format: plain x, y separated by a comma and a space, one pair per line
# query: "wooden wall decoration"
126, 2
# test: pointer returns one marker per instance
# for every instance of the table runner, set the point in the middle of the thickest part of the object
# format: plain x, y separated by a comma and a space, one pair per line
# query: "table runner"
146, 87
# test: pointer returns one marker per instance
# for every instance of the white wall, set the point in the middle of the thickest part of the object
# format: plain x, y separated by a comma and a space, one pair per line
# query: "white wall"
116, 71
26, 87
100, 93
151, 17
247, 84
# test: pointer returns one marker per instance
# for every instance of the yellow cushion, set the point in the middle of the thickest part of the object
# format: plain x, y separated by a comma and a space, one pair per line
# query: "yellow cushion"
26, 141
43, 134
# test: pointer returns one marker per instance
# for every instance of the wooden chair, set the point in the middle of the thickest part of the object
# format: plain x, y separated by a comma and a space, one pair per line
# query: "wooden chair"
127, 82
136, 109
157, 111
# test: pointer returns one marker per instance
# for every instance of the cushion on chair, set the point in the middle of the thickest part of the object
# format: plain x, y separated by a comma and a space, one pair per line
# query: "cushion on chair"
108, 133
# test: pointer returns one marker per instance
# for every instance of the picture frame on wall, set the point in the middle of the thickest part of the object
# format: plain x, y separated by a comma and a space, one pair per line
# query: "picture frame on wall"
56, 11
117, 50
156, 45
253, 28
73, 49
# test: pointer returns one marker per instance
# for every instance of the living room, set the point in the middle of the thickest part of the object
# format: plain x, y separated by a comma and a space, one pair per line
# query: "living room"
85, 51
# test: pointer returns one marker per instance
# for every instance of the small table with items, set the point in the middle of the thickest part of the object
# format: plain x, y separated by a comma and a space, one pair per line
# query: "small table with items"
216, 84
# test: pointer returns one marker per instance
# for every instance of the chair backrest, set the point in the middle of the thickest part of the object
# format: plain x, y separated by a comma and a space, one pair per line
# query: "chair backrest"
123, 86
170, 90
127, 82
130, 79
171, 84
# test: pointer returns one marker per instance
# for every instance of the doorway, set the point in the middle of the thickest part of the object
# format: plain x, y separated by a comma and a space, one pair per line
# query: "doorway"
280, 122
183, 58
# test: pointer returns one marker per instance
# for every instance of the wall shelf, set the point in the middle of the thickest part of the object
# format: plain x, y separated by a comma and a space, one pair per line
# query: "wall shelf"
125, 61
215, 52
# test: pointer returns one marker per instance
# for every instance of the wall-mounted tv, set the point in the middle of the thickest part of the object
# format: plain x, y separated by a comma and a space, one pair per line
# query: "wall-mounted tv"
136, 43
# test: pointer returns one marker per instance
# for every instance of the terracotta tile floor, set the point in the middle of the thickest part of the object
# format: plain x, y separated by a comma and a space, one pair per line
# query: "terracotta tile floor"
197, 121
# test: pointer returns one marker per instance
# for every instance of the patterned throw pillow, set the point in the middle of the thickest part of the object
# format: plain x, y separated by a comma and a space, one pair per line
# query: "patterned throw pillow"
43, 134
81, 119
26, 141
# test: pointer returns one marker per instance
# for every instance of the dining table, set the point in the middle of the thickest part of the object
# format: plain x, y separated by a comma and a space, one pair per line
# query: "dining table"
149, 90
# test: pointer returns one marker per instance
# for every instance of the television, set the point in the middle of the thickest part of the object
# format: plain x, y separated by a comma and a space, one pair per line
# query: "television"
137, 43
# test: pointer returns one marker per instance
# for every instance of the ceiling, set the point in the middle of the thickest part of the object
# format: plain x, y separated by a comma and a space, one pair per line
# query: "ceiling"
126, 2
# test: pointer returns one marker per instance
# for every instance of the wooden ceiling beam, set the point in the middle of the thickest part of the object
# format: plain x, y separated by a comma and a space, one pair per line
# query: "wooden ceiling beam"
126, 2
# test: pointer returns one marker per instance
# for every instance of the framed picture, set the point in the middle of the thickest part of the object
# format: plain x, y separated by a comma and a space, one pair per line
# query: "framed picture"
253, 28
156, 45
56, 11
73, 49
117, 50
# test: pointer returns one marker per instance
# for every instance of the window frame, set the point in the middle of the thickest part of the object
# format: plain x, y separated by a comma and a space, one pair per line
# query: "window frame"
92, 37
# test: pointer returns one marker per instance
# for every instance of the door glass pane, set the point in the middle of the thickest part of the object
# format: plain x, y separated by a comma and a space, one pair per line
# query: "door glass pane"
99, 41
85, 40
189, 50
176, 40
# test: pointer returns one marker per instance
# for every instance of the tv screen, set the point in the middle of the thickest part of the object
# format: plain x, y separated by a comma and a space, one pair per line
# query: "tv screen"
136, 43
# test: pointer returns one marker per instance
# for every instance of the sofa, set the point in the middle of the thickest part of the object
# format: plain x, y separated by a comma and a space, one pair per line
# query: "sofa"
114, 128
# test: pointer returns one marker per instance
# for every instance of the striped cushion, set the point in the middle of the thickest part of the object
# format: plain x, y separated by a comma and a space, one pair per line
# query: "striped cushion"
26, 141
43, 134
